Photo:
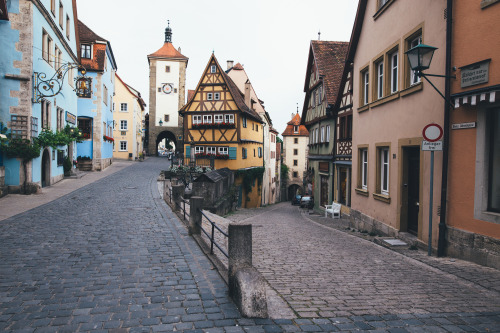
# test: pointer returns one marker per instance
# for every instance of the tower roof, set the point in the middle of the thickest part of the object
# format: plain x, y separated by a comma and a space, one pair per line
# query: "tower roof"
168, 50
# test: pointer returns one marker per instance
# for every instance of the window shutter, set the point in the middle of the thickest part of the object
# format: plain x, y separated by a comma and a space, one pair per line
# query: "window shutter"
232, 153
188, 151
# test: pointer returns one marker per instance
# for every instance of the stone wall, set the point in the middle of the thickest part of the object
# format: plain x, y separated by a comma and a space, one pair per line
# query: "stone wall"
361, 221
473, 247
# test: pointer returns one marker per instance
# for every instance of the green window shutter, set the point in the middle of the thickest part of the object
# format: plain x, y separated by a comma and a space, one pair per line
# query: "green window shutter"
188, 151
232, 153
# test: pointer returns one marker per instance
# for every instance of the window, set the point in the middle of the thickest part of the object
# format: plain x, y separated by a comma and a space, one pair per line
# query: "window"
50, 45
380, 79
196, 119
295, 140
229, 118
260, 151
243, 153
257, 127
254, 152
295, 129
383, 170
60, 119
45, 114
167, 69
166, 118
61, 15
123, 107
45, 46
19, 126
105, 94
394, 71
244, 121
217, 96
67, 26
86, 51
85, 127
211, 150
224, 150
123, 125
327, 133
316, 135
295, 174
295, 162
213, 69
382, 3
313, 98
365, 79
322, 133
295, 151
364, 168
58, 59
34, 127
60, 157
53, 7
207, 119
209, 96
414, 78
218, 118
198, 150
71, 78
319, 94
123, 146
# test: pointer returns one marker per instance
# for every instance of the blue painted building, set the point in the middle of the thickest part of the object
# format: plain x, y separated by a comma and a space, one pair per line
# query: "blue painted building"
95, 111
37, 37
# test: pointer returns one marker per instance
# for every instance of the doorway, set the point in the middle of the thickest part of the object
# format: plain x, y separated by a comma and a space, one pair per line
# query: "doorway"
324, 191
46, 168
411, 189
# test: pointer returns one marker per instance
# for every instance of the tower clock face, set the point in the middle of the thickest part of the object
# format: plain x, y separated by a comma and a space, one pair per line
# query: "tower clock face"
167, 88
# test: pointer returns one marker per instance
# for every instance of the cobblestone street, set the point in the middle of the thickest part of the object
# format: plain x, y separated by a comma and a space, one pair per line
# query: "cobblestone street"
112, 257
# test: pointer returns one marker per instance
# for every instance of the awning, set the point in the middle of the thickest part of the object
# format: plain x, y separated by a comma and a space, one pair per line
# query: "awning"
475, 97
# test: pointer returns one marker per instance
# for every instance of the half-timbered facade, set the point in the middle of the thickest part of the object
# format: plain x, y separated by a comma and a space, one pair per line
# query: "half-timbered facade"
324, 70
218, 122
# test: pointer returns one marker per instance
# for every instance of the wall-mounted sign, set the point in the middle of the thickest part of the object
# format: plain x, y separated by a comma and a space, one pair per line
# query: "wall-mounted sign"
463, 125
324, 167
70, 118
476, 73
432, 146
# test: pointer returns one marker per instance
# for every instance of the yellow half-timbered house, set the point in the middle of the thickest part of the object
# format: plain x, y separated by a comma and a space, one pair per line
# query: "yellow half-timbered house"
219, 121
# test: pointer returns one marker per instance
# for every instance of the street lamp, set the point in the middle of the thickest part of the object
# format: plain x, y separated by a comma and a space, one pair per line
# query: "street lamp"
161, 122
420, 58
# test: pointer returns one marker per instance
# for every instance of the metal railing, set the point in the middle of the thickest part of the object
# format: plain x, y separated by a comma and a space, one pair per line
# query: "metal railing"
212, 235
182, 207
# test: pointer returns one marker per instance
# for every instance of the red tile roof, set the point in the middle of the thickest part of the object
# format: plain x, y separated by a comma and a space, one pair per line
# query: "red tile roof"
167, 51
295, 122
330, 59
238, 67
87, 35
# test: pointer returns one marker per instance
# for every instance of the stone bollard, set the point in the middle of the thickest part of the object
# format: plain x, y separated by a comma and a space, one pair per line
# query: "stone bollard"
195, 216
247, 288
177, 192
165, 191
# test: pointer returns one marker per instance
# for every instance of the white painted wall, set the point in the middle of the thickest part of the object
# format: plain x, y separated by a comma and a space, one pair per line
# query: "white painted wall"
167, 103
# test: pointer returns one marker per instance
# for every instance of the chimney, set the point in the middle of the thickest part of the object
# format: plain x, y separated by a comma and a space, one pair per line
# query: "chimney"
248, 99
179, 49
230, 64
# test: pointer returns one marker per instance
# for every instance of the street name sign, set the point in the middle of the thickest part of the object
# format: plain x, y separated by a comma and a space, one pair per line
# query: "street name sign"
432, 146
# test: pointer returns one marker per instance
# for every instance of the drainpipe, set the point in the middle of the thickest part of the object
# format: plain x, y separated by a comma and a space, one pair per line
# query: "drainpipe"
446, 135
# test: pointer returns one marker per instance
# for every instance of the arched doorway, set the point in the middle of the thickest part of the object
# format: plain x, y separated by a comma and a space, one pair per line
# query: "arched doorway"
46, 168
293, 190
166, 141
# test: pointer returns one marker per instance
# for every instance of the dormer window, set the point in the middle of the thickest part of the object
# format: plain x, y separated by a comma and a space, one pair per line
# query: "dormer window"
86, 51
213, 69
295, 129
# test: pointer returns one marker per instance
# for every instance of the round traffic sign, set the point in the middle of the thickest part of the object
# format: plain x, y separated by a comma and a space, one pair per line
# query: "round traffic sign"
432, 132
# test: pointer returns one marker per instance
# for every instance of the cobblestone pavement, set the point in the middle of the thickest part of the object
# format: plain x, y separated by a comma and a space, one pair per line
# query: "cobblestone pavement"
112, 257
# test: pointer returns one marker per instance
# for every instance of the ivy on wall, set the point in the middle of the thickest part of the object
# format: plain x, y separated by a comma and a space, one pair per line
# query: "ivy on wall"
249, 176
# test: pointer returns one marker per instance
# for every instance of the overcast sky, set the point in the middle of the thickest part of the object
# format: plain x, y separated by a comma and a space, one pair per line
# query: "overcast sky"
270, 38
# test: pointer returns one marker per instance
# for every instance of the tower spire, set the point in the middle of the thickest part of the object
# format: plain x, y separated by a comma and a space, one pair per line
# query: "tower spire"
319, 35
168, 33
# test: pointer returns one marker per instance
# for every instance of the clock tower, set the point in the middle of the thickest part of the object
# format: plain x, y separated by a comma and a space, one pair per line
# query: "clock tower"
167, 86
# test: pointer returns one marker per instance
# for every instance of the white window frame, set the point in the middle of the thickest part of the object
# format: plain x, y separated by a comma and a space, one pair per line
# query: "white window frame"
380, 79
364, 168
414, 79
295, 129
199, 149
120, 148
207, 119
229, 118
316, 133
327, 133
322, 133
196, 119
61, 15
123, 125
366, 87
123, 107
217, 96
213, 69
384, 170
209, 96
394, 58
224, 150
218, 118
68, 26
211, 150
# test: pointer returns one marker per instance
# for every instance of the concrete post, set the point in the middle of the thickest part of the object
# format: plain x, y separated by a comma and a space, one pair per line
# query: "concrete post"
247, 287
177, 192
195, 216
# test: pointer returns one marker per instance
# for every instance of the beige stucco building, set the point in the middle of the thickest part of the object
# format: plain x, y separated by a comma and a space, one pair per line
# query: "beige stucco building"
128, 117
391, 106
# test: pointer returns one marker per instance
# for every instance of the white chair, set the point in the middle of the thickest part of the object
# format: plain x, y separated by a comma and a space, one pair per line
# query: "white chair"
333, 209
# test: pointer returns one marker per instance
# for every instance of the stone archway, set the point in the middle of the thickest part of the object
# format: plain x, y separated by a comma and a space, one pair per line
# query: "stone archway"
294, 189
46, 168
170, 137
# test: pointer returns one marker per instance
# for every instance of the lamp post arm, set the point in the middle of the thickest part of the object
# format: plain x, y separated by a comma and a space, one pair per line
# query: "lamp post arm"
436, 75
433, 86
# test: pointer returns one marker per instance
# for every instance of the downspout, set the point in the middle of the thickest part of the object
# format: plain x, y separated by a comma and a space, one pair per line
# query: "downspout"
446, 135
334, 151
